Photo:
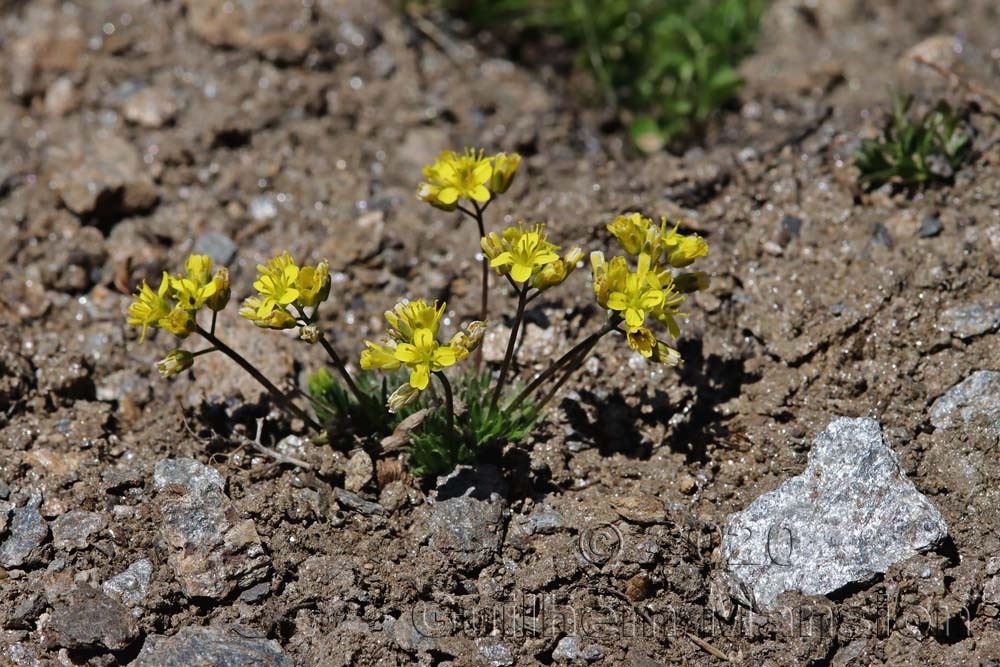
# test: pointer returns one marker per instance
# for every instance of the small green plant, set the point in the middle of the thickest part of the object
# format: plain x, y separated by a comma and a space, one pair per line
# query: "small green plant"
664, 65
915, 151
486, 407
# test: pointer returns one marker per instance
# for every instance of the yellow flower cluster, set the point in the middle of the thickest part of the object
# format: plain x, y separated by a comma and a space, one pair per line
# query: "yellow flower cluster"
651, 291
411, 341
525, 254
469, 175
283, 285
175, 304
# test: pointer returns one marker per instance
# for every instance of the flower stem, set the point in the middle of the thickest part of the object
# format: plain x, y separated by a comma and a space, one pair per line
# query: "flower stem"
570, 369
484, 311
508, 359
282, 398
342, 369
449, 399
570, 356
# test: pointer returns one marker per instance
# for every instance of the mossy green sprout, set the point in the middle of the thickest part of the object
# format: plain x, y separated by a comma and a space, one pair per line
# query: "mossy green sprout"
912, 152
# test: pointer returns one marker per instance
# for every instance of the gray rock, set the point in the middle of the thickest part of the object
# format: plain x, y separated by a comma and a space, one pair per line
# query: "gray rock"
930, 226
216, 245
415, 632
353, 501
150, 107
852, 513
189, 473
569, 649
102, 175
494, 652
358, 471
25, 537
210, 647
971, 320
131, 586
5, 508
90, 619
210, 551
543, 520
74, 530
466, 530
975, 399
26, 612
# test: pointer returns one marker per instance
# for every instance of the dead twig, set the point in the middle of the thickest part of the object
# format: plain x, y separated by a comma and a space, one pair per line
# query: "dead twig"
708, 648
957, 80
260, 448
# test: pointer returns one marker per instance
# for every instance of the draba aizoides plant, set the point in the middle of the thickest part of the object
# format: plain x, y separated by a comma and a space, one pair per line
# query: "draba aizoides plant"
478, 408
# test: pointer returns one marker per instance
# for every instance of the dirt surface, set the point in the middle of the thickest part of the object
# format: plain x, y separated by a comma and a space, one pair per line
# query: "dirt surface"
132, 133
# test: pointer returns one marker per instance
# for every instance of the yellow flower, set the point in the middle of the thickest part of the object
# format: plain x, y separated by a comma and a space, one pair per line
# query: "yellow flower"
180, 322
220, 298
177, 361
608, 277
682, 249
631, 231
524, 252
412, 342
402, 397
640, 294
382, 357
504, 169
149, 307
405, 318
642, 341
276, 281
266, 315
453, 177
190, 294
425, 355
313, 284
638, 235
198, 268
556, 273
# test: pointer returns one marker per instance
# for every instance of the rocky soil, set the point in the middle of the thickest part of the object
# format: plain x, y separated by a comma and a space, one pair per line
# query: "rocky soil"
137, 527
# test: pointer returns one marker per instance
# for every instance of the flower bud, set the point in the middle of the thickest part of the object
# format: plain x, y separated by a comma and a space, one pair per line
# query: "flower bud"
402, 397
309, 333
174, 363
504, 169
220, 298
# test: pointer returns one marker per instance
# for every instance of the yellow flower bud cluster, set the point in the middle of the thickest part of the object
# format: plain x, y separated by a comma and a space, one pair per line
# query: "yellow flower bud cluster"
651, 291
412, 341
470, 175
173, 306
284, 292
525, 254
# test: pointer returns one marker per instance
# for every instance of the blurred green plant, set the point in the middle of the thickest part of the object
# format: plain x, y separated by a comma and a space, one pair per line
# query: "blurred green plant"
664, 65
915, 151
